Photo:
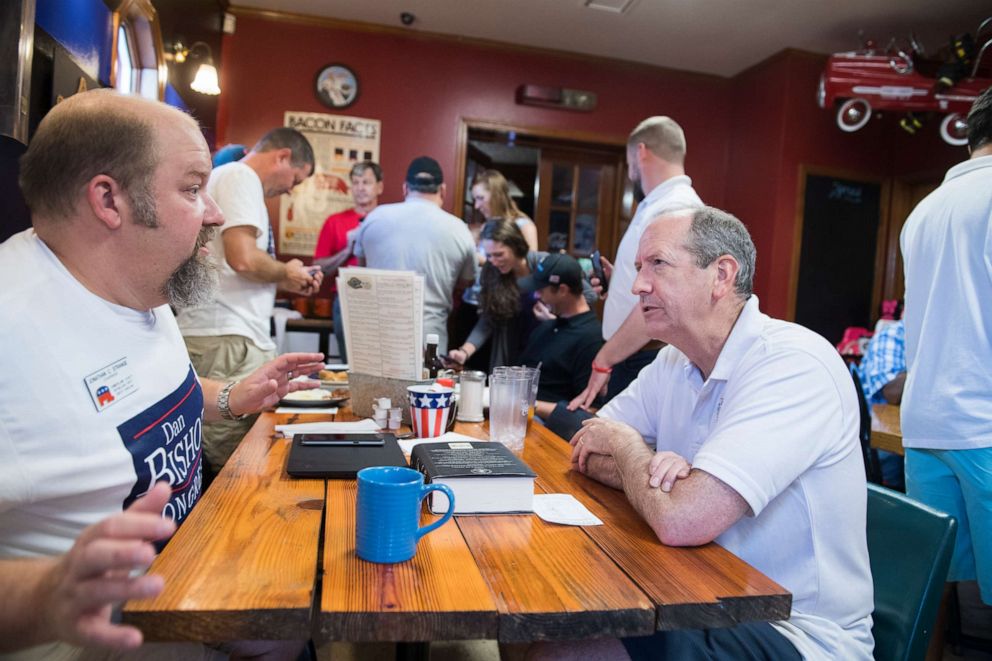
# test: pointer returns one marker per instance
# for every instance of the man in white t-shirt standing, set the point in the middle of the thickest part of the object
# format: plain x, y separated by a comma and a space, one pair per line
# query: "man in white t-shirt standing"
229, 337
765, 413
98, 402
656, 164
947, 402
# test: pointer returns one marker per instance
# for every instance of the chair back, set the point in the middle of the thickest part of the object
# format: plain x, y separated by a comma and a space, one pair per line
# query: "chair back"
909, 546
873, 466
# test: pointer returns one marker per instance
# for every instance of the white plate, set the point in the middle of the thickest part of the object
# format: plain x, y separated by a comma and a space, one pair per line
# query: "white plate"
337, 367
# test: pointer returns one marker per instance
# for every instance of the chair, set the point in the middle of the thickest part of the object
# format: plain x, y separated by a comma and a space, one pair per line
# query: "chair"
873, 467
909, 547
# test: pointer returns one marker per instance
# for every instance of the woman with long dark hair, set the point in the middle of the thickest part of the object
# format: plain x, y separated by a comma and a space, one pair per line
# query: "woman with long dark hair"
506, 314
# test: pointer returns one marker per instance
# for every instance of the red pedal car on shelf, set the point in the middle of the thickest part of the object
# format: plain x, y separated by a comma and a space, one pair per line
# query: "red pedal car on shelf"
861, 82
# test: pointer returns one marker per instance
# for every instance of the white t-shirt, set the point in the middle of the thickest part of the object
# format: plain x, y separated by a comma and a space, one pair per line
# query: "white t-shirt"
777, 421
947, 255
97, 403
672, 194
418, 235
241, 307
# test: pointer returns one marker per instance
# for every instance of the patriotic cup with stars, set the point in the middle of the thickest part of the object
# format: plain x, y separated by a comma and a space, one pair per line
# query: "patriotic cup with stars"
430, 409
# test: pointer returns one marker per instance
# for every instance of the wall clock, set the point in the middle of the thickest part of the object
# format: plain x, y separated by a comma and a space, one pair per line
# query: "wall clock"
336, 86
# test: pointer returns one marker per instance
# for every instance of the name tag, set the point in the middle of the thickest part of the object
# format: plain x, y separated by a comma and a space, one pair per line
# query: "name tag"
108, 385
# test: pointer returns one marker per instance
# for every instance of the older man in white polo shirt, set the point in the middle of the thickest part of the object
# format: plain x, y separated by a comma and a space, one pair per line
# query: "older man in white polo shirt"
766, 414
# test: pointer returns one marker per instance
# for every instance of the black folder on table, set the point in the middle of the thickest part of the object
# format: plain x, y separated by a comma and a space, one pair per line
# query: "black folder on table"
341, 462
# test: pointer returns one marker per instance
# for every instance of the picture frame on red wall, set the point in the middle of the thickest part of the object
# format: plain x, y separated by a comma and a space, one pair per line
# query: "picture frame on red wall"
336, 86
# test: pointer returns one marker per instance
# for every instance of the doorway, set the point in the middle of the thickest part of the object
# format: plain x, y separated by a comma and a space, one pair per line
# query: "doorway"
574, 187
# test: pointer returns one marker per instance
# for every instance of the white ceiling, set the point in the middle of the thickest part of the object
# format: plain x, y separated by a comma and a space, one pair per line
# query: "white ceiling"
720, 37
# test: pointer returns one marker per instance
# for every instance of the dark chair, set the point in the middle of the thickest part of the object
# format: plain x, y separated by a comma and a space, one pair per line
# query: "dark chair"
873, 467
909, 546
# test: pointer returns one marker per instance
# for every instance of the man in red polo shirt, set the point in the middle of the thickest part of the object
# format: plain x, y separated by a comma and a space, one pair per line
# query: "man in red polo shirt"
334, 244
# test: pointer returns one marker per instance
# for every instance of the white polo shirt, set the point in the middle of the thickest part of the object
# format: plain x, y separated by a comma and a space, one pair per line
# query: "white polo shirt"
674, 193
947, 252
777, 421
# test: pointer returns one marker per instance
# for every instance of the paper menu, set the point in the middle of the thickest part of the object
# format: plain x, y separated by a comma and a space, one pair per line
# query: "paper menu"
383, 315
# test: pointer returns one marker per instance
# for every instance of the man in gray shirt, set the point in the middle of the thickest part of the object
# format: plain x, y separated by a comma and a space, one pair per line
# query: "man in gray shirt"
418, 235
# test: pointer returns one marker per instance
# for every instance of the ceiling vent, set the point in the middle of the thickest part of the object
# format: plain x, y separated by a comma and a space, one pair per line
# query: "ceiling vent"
612, 6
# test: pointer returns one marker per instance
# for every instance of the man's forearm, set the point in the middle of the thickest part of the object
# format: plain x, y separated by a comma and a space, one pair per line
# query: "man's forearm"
603, 469
628, 340
333, 262
22, 607
259, 266
695, 512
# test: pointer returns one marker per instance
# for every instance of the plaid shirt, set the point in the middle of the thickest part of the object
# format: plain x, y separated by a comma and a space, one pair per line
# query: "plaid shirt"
884, 359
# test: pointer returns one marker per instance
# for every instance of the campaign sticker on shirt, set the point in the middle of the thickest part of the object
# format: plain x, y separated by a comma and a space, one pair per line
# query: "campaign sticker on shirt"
110, 384
164, 443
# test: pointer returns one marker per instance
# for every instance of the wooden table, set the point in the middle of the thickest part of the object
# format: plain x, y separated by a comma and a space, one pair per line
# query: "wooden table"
886, 428
267, 556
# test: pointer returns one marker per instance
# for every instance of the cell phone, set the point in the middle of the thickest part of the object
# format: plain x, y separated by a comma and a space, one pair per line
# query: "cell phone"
597, 269
343, 440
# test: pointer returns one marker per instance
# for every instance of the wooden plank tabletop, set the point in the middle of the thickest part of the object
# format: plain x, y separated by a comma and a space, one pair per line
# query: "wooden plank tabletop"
437, 595
546, 581
886, 428
696, 587
244, 564
552, 582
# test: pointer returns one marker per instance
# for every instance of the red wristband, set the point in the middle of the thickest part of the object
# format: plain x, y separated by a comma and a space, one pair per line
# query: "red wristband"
600, 368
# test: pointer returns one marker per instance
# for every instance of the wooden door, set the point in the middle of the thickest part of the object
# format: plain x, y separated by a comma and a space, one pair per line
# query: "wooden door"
905, 197
578, 206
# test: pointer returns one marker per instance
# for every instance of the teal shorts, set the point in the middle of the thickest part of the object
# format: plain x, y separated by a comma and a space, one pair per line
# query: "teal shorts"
959, 482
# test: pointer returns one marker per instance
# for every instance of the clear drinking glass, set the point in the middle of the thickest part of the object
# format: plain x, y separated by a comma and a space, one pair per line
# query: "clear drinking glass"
509, 401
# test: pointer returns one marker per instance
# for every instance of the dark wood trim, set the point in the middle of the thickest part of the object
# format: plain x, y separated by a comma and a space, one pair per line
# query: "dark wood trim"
465, 124
420, 35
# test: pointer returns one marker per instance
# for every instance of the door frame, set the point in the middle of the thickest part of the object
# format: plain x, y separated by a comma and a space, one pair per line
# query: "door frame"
579, 137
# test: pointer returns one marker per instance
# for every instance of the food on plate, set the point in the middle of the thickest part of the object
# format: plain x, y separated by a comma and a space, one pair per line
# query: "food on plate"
331, 375
309, 395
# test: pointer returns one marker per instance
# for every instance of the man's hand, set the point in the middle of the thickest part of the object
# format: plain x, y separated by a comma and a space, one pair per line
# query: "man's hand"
598, 436
460, 355
83, 584
597, 386
543, 312
667, 467
272, 381
301, 279
594, 282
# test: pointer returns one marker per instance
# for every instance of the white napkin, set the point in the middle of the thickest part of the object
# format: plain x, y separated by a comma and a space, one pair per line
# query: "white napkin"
564, 509
307, 409
367, 425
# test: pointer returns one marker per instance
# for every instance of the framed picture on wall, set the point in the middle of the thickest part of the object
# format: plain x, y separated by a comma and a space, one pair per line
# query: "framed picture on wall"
336, 86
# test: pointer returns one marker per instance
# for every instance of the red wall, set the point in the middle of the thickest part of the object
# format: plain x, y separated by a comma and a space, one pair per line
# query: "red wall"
777, 128
747, 136
420, 88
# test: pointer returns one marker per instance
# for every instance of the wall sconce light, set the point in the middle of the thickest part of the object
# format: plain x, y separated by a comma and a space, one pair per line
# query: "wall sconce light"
205, 80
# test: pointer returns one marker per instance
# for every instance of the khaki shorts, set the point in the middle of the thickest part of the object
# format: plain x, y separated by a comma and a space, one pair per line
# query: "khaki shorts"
225, 358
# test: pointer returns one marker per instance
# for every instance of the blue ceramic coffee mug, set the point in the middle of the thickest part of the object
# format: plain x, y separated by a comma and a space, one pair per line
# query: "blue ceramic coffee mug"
388, 512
